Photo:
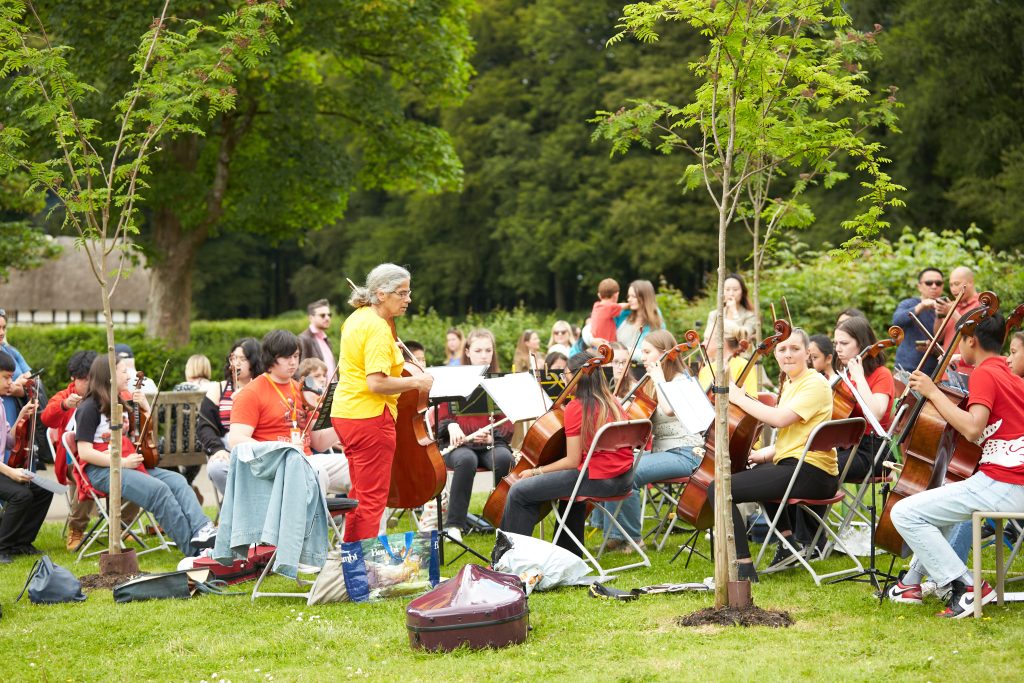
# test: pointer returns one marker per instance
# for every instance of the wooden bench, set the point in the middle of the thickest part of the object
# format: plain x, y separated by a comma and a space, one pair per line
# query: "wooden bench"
175, 422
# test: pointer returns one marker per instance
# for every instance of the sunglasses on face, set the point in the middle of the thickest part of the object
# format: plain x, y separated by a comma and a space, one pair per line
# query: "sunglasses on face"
931, 283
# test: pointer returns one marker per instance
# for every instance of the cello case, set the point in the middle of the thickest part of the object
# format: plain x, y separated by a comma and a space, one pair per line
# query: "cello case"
479, 607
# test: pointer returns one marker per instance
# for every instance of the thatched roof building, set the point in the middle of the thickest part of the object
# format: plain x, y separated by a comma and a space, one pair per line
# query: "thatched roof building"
64, 290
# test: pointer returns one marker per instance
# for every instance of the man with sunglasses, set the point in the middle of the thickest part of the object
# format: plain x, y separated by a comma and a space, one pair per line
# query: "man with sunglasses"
313, 341
961, 279
929, 286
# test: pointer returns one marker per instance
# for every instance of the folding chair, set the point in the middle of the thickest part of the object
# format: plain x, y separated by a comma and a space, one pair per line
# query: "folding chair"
832, 434
51, 441
336, 507
632, 434
102, 523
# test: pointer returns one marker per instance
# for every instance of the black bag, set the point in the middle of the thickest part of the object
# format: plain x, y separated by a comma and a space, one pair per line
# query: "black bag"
49, 584
179, 584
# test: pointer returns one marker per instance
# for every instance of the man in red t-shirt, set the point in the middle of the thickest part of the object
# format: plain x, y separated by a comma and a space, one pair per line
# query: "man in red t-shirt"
270, 408
56, 415
994, 417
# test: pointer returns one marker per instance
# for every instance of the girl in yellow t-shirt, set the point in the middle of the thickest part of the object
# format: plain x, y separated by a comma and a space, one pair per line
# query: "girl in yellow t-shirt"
805, 403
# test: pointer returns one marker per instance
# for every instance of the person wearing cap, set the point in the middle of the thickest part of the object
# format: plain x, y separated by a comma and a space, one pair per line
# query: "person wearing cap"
124, 353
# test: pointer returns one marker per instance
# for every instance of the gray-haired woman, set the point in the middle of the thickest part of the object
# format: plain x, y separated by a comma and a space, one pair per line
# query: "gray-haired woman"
366, 399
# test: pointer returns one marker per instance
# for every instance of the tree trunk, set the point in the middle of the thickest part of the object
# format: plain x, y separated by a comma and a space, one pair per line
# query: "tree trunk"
170, 285
114, 492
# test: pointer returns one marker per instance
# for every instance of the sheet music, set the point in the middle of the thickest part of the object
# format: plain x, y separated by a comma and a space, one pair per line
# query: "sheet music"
518, 396
689, 403
868, 415
49, 485
455, 381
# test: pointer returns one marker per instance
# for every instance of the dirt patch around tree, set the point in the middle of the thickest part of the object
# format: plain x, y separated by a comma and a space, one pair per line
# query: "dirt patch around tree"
108, 581
733, 616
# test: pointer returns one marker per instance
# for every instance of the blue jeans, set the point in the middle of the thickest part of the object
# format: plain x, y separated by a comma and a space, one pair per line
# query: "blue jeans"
670, 464
927, 521
164, 493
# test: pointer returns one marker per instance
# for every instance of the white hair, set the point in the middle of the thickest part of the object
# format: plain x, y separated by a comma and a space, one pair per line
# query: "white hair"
386, 277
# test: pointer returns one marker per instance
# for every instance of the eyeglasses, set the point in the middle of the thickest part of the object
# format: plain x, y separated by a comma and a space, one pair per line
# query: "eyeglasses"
931, 283
561, 332
620, 363
323, 315
403, 293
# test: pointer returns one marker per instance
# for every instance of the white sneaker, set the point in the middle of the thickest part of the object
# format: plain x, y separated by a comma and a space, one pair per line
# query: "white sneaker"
206, 537
454, 533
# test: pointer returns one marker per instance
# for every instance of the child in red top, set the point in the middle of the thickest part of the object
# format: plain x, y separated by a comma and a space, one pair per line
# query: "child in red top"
995, 418
610, 473
874, 383
606, 308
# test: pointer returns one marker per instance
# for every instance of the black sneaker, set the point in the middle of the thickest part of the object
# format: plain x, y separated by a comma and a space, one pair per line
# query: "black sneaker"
745, 571
961, 600
783, 555
27, 549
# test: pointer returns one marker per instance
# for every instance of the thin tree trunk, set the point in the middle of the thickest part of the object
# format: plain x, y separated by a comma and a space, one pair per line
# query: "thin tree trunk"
116, 419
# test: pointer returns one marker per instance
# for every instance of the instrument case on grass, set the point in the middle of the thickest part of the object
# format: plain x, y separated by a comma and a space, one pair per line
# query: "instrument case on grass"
479, 607
239, 570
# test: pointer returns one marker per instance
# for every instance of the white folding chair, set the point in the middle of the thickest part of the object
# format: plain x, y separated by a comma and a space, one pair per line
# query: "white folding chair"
832, 434
102, 524
632, 434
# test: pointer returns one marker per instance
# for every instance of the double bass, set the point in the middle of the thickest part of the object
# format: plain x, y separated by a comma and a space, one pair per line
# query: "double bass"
929, 444
544, 442
843, 401
743, 432
418, 473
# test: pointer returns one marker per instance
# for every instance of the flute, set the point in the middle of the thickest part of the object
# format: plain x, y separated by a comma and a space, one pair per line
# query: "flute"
475, 434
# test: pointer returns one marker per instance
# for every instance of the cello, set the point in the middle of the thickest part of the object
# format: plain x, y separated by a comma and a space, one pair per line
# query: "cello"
418, 473
743, 432
1013, 321
843, 401
544, 441
929, 443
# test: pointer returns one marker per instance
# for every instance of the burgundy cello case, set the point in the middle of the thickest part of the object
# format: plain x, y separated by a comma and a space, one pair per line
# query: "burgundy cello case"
479, 607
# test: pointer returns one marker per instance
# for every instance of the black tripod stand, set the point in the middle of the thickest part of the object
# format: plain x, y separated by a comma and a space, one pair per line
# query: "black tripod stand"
873, 573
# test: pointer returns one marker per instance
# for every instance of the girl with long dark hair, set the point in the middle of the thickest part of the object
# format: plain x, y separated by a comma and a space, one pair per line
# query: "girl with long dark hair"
164, 493
609, 472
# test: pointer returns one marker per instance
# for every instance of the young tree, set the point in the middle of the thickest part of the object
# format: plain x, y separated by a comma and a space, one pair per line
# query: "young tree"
771, 87
183, 74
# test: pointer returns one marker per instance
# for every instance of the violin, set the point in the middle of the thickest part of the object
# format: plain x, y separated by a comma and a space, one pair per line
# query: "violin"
544, 442
23, 450
639, 404
843, 401
693, 504
141, 429
418, 473
929, 444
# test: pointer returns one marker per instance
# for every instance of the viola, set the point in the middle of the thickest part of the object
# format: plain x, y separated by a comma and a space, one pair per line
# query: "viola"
743, 432
929, 444
544, 442
639, 404
25, 433
417, 472
843, 401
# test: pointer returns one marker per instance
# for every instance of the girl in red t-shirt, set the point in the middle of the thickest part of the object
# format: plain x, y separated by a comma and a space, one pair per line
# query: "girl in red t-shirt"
876, 387
610, 473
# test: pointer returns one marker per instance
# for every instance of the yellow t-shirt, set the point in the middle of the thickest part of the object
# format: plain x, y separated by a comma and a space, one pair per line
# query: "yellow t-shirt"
366, 347
809, 397
736, 365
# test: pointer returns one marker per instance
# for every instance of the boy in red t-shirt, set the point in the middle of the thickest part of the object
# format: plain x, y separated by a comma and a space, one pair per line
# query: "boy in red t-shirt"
994, 417
606, 308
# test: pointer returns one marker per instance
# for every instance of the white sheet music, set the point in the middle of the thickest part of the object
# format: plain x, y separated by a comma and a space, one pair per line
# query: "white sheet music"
451, 381
49, 485
519, 396
868, 415
689, 402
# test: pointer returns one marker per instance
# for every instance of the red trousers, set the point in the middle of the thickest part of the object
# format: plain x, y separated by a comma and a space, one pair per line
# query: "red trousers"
369, 445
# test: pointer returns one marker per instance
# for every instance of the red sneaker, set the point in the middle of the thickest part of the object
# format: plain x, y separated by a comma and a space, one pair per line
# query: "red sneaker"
901, 592
961, 601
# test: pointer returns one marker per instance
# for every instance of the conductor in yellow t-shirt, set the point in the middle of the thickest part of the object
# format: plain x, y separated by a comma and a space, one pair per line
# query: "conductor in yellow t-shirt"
366, 400
805, 403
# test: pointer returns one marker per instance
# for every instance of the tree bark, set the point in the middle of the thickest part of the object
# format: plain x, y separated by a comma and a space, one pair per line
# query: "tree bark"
170, 285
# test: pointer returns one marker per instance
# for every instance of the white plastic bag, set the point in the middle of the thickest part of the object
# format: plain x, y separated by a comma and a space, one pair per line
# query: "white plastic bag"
530, 556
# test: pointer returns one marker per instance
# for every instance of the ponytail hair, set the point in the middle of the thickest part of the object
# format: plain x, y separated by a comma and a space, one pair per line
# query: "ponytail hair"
386, 277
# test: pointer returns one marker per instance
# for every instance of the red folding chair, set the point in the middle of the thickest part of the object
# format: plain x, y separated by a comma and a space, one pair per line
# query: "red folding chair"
632, 434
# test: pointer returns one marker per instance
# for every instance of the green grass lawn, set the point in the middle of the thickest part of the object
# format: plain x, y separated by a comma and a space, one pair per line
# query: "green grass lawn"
841, 634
